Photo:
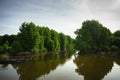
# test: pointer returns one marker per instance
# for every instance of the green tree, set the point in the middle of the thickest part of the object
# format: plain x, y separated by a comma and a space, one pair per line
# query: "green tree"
34, 38
41, 45
55, 38
16, 47
70, 45
116, 41
5, 47
29, 37
3, 39
9, 38
47, 36
63, 41
117, 33
51, 45
92, 37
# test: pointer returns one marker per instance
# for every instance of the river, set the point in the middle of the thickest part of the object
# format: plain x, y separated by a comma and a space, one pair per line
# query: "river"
82, 67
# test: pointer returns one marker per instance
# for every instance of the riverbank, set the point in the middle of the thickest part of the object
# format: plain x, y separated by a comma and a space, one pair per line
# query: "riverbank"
8, 59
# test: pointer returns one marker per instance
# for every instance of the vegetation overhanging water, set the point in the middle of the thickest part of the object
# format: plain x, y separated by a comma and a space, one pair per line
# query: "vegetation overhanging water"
25, 53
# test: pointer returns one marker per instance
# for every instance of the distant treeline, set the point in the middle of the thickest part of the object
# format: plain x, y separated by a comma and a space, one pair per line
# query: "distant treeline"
33, 38
93, 37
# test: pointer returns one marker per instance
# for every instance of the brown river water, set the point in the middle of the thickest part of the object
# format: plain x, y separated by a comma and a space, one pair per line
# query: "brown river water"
57, 67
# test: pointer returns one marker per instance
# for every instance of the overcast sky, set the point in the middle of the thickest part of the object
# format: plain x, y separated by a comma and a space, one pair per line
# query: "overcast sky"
61, 15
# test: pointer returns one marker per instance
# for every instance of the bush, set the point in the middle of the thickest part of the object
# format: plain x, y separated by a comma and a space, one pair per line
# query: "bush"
16, 47
114, 48
5, 47
4, 56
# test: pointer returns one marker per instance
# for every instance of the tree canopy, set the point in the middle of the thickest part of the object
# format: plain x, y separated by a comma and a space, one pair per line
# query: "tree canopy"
92, 37
34, 38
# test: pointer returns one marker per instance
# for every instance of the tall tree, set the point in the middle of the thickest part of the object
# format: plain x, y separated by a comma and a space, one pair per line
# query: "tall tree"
63, 41
29, 37
116, 41
55, 38
16, 47
92, 37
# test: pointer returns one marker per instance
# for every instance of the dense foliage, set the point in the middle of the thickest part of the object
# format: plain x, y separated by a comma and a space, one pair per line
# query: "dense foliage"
116, 41
32, 38
94, 37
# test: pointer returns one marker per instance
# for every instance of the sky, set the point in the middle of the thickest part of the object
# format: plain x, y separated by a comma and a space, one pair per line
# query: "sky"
61, 15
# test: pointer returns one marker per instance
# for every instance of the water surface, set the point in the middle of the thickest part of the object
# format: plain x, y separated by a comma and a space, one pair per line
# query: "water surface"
56, 67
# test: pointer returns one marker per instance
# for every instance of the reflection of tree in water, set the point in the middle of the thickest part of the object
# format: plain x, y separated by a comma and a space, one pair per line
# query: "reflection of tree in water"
35, 69
117, 60
93, 67
3, 67
116, 57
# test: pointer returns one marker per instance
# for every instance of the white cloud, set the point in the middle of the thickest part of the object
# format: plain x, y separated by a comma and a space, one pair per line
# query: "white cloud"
62, 15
